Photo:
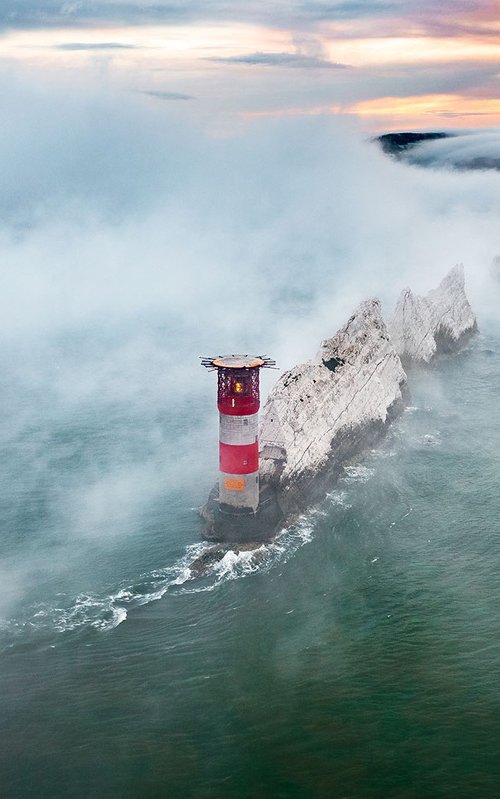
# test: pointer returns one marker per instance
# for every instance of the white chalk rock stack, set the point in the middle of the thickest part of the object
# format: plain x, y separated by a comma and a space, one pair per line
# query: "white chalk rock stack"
321, 413
439, 322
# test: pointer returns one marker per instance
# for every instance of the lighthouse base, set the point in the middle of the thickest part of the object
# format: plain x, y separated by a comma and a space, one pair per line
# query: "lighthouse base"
228, 524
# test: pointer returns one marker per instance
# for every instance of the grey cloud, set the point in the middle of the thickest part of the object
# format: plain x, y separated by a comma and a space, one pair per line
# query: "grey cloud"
461, 114
94, 46
324, 11
434, 78
294, 60
53, 14
291, 13
167, 95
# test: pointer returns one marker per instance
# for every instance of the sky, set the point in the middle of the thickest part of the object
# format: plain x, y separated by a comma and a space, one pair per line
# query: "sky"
390, 64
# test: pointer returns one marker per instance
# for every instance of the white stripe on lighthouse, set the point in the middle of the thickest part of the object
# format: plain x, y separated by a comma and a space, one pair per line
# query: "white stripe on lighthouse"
238, 430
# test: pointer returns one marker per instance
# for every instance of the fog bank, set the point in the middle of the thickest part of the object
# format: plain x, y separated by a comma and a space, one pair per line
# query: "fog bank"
132, 241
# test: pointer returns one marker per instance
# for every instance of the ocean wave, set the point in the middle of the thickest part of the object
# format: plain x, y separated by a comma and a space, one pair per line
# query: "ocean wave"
236, 564
340, 499
357, 474
105, 612
430, 439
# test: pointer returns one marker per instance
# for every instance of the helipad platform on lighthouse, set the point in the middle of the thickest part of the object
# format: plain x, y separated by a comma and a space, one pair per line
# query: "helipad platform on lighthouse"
238, 362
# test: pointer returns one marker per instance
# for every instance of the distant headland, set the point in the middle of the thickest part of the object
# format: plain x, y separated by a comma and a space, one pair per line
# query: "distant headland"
441, 149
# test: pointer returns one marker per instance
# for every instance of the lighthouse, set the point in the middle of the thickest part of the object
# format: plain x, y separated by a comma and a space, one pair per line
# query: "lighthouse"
238, 401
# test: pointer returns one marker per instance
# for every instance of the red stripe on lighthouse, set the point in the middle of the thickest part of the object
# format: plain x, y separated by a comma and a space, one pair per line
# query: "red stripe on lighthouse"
239, 459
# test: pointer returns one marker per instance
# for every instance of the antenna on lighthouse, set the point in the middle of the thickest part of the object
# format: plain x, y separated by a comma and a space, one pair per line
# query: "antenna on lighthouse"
238, 400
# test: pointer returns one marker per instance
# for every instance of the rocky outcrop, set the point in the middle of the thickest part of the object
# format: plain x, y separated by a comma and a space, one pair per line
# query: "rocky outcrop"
322, 413
439, 322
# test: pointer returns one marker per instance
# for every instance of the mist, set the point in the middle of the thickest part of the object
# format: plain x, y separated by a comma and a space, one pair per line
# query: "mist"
133, 240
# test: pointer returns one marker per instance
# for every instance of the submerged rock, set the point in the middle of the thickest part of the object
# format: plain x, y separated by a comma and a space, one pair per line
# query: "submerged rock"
322, 413
213, 556
442, 321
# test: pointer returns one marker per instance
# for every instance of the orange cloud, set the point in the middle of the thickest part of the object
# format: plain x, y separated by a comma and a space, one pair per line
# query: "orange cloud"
411, 50
396, 113
429, 110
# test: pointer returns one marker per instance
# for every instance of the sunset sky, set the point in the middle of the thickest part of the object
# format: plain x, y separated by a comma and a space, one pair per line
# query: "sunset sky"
393, 64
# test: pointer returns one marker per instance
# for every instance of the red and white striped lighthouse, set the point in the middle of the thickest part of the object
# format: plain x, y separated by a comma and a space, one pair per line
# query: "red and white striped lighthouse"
238, 400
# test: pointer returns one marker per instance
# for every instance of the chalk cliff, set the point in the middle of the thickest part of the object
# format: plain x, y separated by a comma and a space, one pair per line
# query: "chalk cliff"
321, 413
439, 322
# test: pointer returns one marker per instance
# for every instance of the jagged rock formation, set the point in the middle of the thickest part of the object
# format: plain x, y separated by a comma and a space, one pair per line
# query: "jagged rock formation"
321, 413
439, 322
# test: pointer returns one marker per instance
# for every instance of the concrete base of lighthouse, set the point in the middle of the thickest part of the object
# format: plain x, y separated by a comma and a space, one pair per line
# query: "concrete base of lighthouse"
228, 524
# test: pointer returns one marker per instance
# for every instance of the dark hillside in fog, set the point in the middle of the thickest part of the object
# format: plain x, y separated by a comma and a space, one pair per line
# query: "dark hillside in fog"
459, 150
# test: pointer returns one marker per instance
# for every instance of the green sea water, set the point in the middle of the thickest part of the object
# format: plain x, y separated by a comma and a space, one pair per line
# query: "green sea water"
357, 658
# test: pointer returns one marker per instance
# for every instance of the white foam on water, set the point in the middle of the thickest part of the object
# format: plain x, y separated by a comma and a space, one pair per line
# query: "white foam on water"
384, 453
96, 611
237, 564
234, 563
358, 474
432, 439
105, 613
339, 499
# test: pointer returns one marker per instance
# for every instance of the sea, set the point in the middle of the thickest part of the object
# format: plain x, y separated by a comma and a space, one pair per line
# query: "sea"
356, 656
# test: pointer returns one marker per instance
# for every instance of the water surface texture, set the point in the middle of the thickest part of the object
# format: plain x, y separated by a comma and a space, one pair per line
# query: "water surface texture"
355, 657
